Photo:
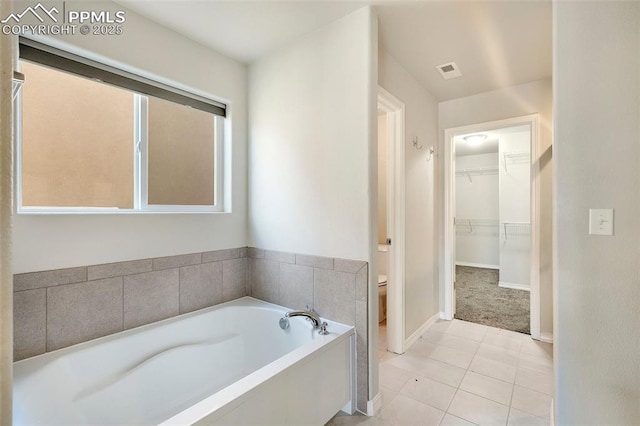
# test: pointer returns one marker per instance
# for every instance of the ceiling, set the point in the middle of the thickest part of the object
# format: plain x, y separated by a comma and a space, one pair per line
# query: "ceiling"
495, 44
242, 30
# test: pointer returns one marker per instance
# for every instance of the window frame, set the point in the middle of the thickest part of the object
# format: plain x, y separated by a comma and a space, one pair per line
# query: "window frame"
139, 142
141, 166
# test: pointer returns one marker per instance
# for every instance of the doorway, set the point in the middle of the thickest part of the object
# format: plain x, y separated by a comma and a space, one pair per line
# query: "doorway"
491, 202
391, 202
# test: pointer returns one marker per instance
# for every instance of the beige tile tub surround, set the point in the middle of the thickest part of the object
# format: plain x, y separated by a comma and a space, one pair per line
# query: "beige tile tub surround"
59, 308
335, 288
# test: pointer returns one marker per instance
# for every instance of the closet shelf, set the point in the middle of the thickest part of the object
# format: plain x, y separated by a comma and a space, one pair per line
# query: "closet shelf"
515, 158
516, 229
477, 171
470, 223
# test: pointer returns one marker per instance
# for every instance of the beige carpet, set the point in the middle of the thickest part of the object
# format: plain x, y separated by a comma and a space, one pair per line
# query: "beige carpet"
480, 300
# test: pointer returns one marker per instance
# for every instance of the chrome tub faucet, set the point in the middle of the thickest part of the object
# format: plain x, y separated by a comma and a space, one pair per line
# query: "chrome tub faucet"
310, 315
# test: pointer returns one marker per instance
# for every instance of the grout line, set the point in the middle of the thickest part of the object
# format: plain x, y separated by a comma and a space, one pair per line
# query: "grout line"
180, 289
463, 376
122, 303
313, 291
513, 386
46, 320
513, 389
279, 284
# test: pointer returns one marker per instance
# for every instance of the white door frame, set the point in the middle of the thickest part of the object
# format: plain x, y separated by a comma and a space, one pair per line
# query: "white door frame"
449, 205
394, 109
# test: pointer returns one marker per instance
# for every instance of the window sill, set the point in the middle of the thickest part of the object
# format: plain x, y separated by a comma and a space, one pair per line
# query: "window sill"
29, 212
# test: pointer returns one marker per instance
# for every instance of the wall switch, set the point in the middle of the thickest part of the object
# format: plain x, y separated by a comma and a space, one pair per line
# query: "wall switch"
600, 221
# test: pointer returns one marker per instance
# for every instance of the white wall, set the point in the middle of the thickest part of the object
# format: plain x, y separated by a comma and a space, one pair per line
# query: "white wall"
309, 144
421, 120
597, 165
525, 99
515, 207
44, 242
477, 199
382, 179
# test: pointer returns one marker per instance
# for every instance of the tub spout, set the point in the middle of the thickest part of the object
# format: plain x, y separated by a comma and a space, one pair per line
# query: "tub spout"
310, 315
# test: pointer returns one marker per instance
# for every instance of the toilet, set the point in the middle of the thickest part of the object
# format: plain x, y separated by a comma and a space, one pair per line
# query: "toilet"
382, 281
382, 297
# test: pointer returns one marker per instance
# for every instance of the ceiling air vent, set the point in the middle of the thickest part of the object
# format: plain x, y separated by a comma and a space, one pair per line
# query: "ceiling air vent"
448, 71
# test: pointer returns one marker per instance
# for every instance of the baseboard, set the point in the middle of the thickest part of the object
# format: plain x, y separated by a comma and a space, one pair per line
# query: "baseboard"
375, 405
478, 265
514, 286
442, 316
349, 408
546, 337
420, 331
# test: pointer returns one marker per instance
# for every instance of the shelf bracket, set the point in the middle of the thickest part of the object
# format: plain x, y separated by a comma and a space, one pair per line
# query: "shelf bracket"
18, 81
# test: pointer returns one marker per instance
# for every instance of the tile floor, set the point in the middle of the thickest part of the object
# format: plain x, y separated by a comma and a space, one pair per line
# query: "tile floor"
461, 373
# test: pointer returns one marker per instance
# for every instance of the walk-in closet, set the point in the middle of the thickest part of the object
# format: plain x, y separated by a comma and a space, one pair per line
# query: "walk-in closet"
493, 231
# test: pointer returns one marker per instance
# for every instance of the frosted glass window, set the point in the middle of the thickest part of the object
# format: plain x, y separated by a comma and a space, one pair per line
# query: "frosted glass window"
92, 138
181, 152
77, 141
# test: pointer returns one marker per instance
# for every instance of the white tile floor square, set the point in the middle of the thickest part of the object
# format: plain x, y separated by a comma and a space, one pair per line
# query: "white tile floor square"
460, 373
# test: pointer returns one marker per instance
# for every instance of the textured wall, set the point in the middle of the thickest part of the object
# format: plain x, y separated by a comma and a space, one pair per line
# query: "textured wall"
515, 207
421, 259
477, 198
309, 143
597, 159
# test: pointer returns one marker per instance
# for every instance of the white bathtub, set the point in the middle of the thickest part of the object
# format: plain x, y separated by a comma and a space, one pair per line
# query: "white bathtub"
229, 364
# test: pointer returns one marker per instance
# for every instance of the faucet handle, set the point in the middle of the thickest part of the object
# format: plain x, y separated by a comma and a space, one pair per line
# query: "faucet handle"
323, 329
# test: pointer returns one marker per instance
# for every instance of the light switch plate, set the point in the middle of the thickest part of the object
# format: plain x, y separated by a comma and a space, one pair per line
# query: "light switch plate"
600, 221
